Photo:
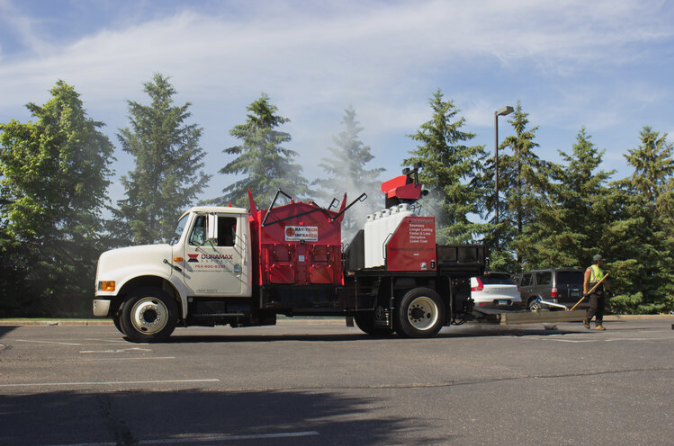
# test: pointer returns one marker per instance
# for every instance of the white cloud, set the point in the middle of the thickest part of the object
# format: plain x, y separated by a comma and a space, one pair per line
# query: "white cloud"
385, 58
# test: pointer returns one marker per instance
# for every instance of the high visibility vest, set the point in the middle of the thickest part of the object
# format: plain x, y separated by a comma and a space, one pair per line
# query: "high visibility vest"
596, 274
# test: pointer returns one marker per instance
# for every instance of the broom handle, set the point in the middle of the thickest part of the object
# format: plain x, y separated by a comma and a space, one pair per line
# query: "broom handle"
590, 292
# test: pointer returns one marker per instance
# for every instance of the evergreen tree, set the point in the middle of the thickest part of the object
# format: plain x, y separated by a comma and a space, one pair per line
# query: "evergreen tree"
346, 172
54, 178
264, 163
568, 231
639, 240
523, 178
168, 173
450, 170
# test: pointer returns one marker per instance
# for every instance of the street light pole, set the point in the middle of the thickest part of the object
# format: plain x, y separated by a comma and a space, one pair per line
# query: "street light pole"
500, 112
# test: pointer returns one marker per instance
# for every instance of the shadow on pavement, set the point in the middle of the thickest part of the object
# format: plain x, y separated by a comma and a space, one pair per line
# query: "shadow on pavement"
4, 329
203, 417
466, 331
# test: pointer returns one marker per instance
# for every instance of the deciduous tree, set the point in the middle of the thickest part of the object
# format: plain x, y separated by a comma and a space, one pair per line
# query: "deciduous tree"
55, 173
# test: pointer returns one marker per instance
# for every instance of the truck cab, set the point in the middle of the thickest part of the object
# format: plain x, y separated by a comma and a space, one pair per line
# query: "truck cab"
147, 289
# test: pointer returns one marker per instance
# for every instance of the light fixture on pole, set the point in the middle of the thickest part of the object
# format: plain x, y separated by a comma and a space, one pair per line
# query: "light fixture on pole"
500, 112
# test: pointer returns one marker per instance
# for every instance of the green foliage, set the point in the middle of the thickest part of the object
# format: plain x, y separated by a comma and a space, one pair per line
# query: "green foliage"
503, 260
638, 238
54, 175
54, 178
450, 171
523, 180
168, 175
567, 230
346, 173
266, 166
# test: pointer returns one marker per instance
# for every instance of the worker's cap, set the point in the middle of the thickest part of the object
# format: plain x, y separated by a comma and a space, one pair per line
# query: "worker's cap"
598, 258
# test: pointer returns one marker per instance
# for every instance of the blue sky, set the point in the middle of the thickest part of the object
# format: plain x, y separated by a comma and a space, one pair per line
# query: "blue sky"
604, 65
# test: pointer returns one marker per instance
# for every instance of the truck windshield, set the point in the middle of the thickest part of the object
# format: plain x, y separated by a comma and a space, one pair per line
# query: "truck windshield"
178, 231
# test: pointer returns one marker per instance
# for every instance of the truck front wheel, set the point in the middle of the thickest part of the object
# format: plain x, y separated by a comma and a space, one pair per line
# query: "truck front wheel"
420, 314
148, 315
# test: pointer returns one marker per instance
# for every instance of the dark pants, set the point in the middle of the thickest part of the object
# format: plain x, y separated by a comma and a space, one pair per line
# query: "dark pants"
596, 309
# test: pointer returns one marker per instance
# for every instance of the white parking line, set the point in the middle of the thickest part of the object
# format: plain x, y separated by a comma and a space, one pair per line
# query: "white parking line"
131, 359
122, 350
638, 339
46, 342
120, 341
113, 383
580, 341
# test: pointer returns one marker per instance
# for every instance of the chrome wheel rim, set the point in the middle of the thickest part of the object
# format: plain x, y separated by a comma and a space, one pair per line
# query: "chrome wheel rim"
149, 315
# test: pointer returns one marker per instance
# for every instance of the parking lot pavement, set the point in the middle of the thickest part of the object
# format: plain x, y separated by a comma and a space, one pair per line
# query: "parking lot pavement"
312, 383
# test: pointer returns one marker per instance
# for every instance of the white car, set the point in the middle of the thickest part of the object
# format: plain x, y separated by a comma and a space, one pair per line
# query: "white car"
496, 291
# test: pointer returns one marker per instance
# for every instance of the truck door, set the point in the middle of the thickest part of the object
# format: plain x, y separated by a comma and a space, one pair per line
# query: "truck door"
217, 256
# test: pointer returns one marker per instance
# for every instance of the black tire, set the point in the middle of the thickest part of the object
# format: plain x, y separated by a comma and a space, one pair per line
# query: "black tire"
420, 314
115, 320
148, 315
365, 321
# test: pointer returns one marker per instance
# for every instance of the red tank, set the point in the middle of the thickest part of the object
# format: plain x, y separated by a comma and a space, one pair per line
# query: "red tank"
298, 244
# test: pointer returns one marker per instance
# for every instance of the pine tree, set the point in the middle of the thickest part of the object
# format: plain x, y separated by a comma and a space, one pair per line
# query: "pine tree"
450, 170
264, 163
639, 239
568, 231
55, 173
346, 173
168, 173
523, 178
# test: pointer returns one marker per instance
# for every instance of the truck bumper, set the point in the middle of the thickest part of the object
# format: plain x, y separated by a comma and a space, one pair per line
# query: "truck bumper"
101, 307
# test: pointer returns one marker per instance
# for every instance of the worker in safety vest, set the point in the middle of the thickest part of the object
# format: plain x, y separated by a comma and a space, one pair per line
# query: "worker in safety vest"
592, 276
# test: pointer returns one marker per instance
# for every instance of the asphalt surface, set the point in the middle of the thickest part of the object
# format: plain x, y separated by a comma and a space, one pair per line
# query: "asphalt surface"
306, 383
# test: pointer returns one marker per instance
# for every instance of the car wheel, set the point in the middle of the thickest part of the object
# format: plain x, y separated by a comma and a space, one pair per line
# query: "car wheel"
534, 305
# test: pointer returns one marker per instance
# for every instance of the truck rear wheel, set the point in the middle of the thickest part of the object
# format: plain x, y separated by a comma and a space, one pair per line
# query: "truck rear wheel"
148, 315
420, 314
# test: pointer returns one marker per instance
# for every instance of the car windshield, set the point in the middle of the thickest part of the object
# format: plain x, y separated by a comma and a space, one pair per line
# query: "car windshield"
497, 279
570, 277
178, 231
